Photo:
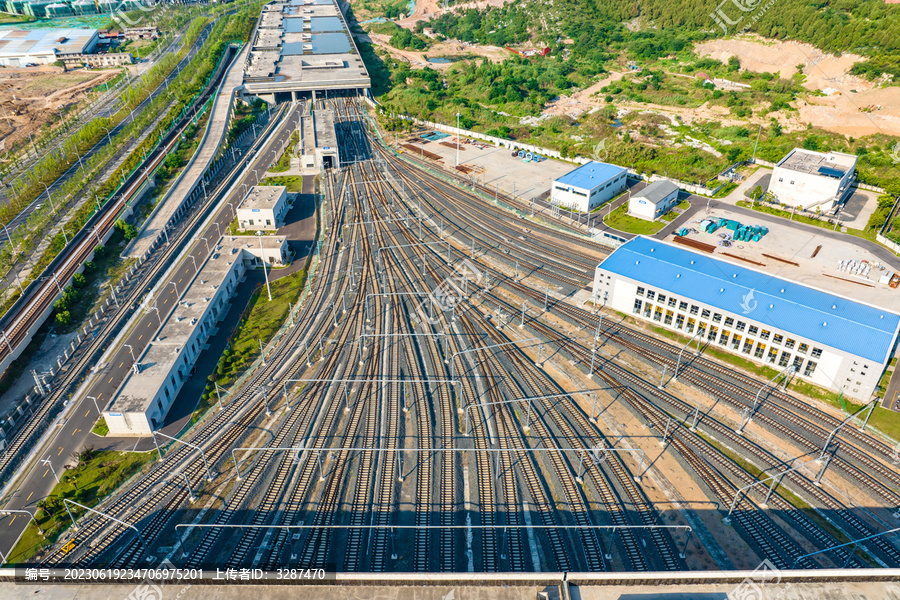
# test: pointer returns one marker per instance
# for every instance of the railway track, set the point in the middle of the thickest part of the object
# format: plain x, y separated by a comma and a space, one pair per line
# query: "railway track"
142, 280
370, 251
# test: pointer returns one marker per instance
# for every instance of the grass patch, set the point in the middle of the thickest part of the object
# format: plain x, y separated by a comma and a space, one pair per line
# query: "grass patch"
886, 421
293, 183
97, 475
782, 491
801, 218
100, 427
260, 322
284, 161
620, 219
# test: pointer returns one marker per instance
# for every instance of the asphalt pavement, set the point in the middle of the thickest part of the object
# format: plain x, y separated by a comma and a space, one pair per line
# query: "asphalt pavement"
75, 432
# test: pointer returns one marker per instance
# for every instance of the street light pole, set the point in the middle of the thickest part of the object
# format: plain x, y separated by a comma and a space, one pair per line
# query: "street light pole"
457, 139
263, 259
46, 461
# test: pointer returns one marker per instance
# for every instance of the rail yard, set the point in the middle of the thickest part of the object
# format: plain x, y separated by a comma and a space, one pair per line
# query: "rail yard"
446, 400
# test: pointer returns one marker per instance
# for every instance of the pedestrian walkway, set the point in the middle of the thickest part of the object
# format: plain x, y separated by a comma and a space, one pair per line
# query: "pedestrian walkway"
177, 198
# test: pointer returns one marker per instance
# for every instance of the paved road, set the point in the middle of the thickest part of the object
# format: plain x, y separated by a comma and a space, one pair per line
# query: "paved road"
75, 431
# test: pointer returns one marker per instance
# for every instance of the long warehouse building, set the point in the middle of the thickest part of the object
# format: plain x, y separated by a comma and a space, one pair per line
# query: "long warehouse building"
832, 341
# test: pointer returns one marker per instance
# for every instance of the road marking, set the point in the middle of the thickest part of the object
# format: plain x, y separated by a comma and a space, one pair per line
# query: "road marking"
45, 472
29, 497
142, 335
110, 380
121, 363
100, 395
60, 451
87, 413
13, 520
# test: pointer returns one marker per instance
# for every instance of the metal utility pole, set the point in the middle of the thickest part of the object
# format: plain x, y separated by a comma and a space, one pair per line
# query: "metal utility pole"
46, 462
263, 259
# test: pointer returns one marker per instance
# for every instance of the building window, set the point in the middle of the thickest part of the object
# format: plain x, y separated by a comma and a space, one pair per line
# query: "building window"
679, 321
651, 294
661, 299
167, 393
648, 308
803, 348
736, 342
668, 319
753, 330
657, 314
268, 221
816, 353
701, 328
637, 307
760, 350
672, 302
772, 355
717, 318
723, 339
789, 344
748, 345
785, 358
713, 332
682, 305
798, 362
810, 368
251, 221
777, 338
640, 291
740, 326
729, 322
694, 309
690, 325
764, 335
704, 314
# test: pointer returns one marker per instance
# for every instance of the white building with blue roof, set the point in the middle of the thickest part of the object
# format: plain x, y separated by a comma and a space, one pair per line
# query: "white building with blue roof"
833, 341
588, 186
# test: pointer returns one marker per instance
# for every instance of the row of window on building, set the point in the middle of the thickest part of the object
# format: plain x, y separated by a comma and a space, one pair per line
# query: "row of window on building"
771, 347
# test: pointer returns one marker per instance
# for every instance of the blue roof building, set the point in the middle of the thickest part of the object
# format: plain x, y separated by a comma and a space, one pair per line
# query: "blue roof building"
588, 186
835, 341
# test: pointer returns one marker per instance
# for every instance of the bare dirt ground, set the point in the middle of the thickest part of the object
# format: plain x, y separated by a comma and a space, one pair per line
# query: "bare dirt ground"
447, 48
851, 106
428, 9
31, 97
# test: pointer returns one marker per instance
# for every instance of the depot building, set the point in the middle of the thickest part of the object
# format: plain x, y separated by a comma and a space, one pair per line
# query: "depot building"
832, 341
588, 186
